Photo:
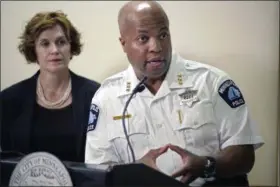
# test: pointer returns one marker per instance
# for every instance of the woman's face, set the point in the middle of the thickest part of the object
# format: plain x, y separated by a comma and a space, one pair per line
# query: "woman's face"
53, 50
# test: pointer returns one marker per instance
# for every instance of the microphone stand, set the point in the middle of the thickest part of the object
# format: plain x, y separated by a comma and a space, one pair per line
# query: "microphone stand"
139, 88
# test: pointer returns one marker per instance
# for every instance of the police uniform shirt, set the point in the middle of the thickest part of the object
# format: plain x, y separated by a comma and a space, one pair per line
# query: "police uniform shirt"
198, 107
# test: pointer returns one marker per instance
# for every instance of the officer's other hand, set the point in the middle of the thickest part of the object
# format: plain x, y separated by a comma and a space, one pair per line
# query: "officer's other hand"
150, 158
193, 165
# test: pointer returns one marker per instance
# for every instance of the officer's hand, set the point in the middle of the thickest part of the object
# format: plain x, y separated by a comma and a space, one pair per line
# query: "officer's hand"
149, 158
193, 165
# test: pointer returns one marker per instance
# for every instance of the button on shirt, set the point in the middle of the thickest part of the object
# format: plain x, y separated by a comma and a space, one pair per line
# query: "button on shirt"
198, 107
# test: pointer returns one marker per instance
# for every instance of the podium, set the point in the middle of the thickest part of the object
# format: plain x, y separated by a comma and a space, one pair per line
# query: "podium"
101, 175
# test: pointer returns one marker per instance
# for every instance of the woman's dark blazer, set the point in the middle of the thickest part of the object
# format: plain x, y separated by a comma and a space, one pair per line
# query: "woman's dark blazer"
17, 107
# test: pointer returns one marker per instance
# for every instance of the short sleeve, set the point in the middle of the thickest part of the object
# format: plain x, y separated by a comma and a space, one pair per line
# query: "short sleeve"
235, 125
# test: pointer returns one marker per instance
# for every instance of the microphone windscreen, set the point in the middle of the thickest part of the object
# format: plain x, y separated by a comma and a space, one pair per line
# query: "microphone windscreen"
141, 88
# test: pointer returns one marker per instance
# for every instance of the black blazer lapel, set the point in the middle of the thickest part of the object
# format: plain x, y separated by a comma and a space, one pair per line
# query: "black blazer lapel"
21, 127
79, 96
82, 93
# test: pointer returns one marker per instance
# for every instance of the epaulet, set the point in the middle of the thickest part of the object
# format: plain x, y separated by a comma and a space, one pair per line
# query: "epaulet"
112, 80
190, 64
194, 65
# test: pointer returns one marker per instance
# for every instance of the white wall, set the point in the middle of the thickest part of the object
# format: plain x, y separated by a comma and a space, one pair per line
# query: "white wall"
238, 37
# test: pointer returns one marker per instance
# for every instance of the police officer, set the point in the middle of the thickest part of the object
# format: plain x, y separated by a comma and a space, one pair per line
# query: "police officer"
191, 120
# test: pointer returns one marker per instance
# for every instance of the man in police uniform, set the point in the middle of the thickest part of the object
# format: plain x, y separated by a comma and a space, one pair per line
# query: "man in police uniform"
191, 120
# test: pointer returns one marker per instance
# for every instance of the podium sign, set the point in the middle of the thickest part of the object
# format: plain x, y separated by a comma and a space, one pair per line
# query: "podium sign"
44, 169
40, 169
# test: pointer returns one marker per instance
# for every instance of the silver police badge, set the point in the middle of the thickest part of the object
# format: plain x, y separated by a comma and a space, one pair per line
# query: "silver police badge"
40, 169
189, 97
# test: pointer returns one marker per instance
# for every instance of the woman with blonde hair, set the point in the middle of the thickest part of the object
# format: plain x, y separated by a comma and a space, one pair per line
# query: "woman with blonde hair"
48, 111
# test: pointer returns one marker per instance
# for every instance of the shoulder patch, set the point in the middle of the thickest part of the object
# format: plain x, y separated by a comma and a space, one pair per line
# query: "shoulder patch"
231, 94
93, 117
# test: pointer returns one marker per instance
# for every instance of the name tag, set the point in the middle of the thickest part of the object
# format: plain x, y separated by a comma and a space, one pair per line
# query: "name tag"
120, 117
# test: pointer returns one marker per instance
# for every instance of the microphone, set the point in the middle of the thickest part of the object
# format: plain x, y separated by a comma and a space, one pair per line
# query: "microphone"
139, 88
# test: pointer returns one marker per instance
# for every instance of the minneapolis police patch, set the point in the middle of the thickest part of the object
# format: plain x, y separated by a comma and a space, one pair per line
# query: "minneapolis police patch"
93, 117
231, 94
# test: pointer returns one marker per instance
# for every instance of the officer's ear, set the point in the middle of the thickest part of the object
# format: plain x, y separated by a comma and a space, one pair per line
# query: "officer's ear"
122, 41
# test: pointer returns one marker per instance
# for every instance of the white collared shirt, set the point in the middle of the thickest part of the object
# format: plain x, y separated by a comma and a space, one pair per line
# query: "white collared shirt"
187, 111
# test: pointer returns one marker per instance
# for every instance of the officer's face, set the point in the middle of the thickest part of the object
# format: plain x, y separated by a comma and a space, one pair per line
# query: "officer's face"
147, 44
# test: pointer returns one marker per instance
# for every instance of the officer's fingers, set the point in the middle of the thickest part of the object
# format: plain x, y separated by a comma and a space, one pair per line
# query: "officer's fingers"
178, 150
180, 172
157, 152
163, 149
